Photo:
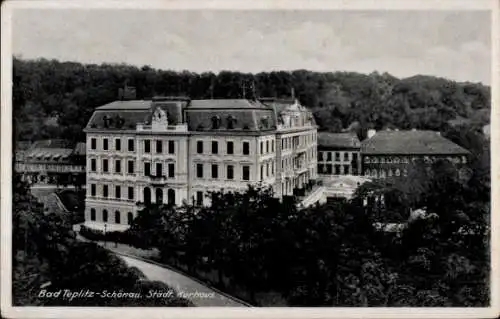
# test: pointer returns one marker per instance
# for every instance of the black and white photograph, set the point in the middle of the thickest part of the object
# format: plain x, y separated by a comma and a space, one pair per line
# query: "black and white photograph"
176, 156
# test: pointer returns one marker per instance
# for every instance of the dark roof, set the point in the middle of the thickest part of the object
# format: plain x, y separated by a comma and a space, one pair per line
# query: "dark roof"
56, 155
338, 140
410, 142
243, 119
54, 143
126, 105
130, 119
227, 104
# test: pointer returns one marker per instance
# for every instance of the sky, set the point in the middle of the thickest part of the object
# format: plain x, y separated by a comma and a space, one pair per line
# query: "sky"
450, 44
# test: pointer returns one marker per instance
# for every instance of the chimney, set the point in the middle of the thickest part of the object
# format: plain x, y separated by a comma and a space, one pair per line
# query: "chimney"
371, 133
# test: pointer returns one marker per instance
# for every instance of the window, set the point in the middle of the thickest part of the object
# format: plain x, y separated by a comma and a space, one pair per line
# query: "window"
215, 122
105, 165
262, 172
272, 169
147, 195
171, 170
117, 217
105, 144
105, 191
159, 147
130, 192
92, 189
337, 156
267, 146
215, 147
199, 170
130, 218
246, 148
159, 169
329, 169
171, 196
118, 144
329, 156
261, 147
267, 170
118, 192
230, 147
147, 169
159, 196
93, 165
215, 171
147, 146
104, 215
131, 167
92, 214
246, 173
199, 147
199, 198
171, 147
346, 169
337, 170
93, 143
131, 146
320, 156
230, 172
272, 146
118, 166
346, 156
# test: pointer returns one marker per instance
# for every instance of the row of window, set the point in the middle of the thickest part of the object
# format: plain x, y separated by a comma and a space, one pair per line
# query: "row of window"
130, 193
406, 160
385, 173
266, 170
296, 141
338, 169
105, 217
214, 170
328, 155
117, 191
267, 149
131, 167
390, 160
229, 147
131, 145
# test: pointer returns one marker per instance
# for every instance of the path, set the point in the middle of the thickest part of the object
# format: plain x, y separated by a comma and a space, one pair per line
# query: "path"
207, 297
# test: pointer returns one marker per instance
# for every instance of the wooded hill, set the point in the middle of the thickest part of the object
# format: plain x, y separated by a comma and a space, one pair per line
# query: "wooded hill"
53, 99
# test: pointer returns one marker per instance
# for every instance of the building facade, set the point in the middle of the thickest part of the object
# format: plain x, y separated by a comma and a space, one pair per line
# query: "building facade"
391, 153
51, 162
176, 150
339, 154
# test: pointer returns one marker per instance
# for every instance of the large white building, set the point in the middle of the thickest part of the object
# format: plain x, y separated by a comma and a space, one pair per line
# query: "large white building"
175, 150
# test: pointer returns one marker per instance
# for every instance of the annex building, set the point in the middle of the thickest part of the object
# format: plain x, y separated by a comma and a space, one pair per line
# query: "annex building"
51, 162
175, 150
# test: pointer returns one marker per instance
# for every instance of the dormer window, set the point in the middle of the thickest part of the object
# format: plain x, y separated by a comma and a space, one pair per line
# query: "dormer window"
264, 122
231, 120
215, 122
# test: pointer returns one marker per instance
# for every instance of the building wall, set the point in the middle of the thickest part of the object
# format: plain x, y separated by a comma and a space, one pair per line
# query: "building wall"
383, 166
221, 161
339, 161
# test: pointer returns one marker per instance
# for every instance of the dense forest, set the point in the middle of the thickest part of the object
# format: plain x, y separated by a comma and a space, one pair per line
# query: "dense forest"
272, 253
54, 99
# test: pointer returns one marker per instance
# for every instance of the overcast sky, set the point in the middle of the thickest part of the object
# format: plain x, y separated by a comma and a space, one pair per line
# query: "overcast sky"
451, 44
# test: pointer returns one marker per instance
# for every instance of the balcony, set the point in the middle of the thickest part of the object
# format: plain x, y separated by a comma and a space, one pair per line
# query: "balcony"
158, 179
